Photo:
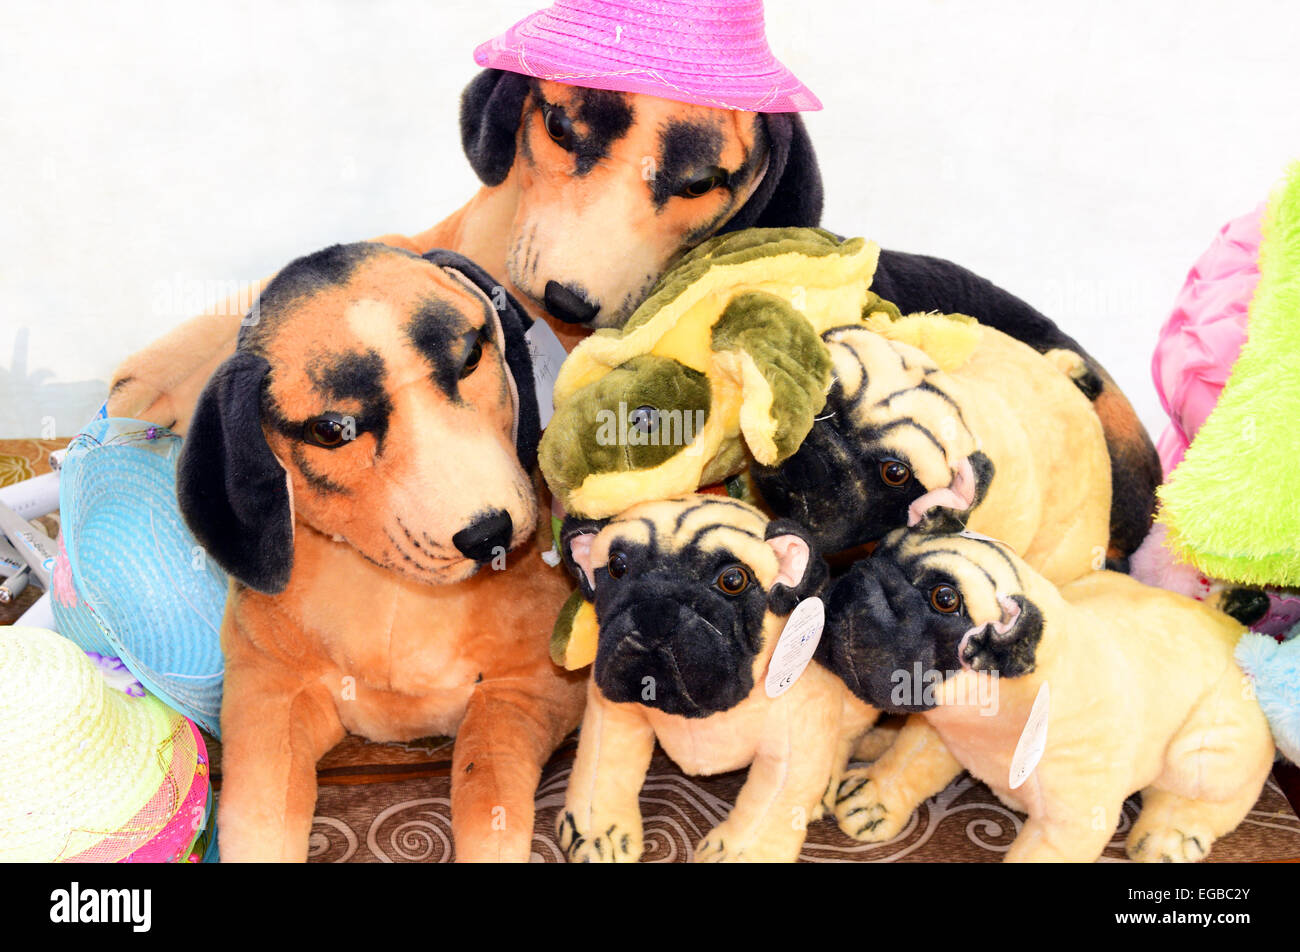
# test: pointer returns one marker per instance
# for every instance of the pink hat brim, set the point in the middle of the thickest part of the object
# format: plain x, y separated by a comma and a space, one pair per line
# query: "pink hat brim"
668, 49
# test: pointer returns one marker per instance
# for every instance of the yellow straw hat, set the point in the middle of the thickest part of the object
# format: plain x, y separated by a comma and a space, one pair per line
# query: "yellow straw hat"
88, 771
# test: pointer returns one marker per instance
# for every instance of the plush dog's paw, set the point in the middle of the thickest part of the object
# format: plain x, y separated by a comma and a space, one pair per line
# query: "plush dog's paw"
731, 843
606, 843
1167, 846
865, 810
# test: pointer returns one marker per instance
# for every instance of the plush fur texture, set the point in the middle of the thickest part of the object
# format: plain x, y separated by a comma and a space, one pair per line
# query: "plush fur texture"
1274, 668
1144, 694
1005, 439
1233, 504
691, 595
317, 472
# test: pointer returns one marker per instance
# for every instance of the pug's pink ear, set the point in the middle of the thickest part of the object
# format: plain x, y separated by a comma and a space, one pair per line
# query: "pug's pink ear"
792, 556
580, 552
959, 495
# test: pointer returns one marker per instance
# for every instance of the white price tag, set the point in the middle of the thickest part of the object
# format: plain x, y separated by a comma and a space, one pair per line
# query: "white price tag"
548, 354
796, 646
1033, 739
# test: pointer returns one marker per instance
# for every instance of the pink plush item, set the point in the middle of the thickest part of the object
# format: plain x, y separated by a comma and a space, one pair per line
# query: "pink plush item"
1200, 341
707, 52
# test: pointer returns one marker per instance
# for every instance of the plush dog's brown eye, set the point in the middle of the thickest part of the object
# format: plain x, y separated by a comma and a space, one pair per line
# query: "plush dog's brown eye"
617, 565
733, 580
944, 598
472, 359
330, 430
713, 178
558, 126
894, 473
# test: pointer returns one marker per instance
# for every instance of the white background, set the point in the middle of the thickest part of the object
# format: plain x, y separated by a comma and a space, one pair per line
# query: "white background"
1082, 155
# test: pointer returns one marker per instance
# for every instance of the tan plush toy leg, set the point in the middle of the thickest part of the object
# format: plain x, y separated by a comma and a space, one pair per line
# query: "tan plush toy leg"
601, 819
1214, 770
786, 781
874, 803
511, 727
162, 383
1074, 838
273, 732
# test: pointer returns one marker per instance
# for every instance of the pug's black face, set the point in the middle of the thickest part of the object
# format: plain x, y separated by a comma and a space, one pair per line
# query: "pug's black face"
880, 624
845, 488
902, 620
679, 631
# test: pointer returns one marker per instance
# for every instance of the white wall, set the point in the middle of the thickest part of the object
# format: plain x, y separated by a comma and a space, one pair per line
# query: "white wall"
1081, 155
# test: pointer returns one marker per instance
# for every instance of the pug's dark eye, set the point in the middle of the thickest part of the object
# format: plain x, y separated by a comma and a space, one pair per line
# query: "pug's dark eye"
558, 126
894, 473
645, 419
329, 430
944, 598
617, 565
713, 178
472, 358
733, 580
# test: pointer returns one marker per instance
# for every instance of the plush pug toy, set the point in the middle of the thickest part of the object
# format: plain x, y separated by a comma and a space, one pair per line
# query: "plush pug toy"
1005, 439
1063, 701
692, 596
722, 361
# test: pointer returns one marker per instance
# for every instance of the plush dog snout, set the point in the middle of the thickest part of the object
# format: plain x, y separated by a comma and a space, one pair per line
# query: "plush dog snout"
485, 537
567, 304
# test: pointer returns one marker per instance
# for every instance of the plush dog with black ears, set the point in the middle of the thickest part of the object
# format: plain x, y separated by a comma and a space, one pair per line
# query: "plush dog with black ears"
362, 467
692, 596
1113, 686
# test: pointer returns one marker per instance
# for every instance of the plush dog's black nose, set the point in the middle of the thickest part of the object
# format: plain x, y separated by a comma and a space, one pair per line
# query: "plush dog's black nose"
486, 537
567, 304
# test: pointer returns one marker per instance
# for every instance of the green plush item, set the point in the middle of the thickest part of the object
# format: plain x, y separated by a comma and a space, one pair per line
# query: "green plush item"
724, 362
1233, 505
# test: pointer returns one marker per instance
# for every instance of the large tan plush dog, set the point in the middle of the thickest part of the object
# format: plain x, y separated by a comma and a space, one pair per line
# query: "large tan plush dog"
691, 596
588, 195
357, 466
1135, 688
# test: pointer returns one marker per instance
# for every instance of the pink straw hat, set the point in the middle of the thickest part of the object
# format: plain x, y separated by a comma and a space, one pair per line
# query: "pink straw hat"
707, 52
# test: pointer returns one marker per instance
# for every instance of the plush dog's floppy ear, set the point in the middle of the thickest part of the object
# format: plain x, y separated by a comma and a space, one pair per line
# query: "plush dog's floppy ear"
514, 324
233, 492
576, 536
490, 109
784, 369
802, 573
790, 194
1007, 647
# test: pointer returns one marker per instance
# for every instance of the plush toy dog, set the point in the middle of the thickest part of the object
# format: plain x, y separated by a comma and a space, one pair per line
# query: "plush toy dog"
1126, 687
354, 466
1004, 438
692, 595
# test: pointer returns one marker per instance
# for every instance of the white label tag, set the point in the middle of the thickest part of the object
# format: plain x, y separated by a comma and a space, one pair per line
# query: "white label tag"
968, 534
795, 647
548, 354
1033, 739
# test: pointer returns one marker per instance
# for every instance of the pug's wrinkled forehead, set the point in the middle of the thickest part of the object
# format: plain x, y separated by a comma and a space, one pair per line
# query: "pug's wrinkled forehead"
691, 534
980, 568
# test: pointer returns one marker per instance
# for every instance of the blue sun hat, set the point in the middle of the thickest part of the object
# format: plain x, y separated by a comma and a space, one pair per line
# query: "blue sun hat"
131, 581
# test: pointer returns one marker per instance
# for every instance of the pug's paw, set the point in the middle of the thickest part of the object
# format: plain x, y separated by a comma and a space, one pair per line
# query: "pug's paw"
1167, 846
729, 843
865, 810
606, 842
